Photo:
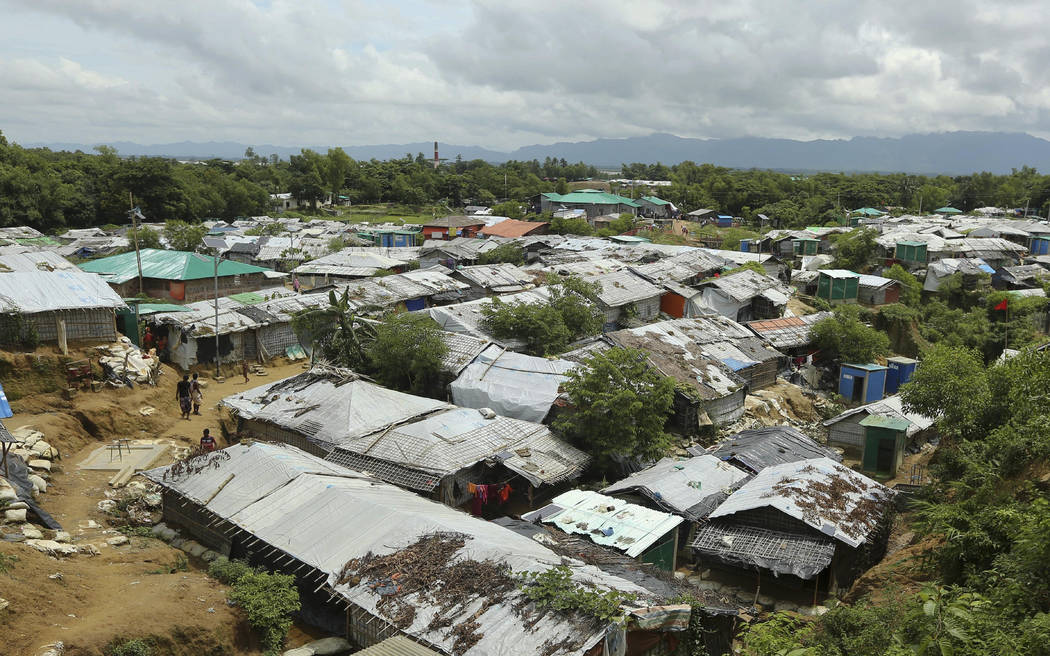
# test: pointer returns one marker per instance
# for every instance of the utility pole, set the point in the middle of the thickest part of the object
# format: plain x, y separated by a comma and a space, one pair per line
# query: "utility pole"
135, 236
217, 359
920, 204
1026, 201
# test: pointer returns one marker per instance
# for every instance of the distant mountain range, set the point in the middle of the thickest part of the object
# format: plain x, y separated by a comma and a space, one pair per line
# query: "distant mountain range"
947, 152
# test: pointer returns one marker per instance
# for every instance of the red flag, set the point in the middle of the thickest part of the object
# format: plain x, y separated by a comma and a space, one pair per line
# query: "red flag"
1001, 306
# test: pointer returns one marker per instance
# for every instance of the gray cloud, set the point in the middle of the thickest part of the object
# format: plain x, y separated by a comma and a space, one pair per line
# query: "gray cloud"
503, 73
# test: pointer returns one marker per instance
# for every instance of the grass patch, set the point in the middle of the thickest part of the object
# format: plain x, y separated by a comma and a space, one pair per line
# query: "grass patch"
7, 562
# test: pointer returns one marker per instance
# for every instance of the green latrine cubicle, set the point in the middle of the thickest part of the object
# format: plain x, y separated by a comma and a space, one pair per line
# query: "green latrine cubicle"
911, 251
806, 246
884, 440
838, 286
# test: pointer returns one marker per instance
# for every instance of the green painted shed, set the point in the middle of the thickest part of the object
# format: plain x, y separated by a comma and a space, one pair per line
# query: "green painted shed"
838, 286
910, 251
806, 246
884, 440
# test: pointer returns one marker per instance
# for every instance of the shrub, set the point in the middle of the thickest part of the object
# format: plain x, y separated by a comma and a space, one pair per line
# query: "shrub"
132, 647
268, 600
228, 571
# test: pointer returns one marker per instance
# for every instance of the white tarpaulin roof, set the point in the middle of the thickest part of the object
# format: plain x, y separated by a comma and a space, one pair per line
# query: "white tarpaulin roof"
511, 384
607, 521
30, 292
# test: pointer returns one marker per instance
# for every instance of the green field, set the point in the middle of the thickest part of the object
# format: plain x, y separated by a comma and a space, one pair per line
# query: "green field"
388, 213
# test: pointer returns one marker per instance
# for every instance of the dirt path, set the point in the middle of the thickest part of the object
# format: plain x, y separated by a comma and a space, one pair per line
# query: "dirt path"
128, 590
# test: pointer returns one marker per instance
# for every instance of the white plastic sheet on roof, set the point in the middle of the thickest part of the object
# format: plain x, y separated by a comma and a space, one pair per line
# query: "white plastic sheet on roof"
511, 384
632, 528
683, 484
30, 292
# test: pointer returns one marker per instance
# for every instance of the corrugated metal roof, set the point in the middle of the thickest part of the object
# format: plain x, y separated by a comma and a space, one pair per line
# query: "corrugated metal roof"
744, 285
876, 281
447, 442
513, 228
397, 645
351, 259
881, 421
29, 292
502, 277
759, 448
891, 406
691, 487
326, 519
787, 332
622, 287
590, 198
165, 265
25, 260
330, 407
800, 490
838, 273
607, 521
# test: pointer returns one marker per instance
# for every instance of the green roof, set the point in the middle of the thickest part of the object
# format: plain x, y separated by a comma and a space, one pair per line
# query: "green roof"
591, 197
883, 421
248, 298
37, 241
911, 243
868, 211
947, 210
165, 265
655, 201
154, 308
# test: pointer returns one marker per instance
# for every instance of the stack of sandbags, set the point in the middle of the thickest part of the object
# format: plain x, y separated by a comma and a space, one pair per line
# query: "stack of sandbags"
126, 360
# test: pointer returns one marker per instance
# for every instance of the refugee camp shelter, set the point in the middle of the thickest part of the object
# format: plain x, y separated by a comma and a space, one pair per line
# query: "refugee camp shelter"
179, 275
838, 286
453, 226
845, 430
755, 449
414, 442
690, 487
642, 533
787, 334
57, 306
799, 519
862, 383
805, 246
745, 295
487, 279
511, 384
593, 202
876, 290
282, 509
511, 228
625, 296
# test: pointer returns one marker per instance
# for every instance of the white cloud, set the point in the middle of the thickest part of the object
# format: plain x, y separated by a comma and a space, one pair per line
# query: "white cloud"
503, 73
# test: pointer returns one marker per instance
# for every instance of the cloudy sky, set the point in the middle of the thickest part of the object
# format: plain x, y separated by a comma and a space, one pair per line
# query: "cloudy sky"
506, 73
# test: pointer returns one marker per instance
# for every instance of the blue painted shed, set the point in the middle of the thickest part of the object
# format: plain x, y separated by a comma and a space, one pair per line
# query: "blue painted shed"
1040, 245
898, 371
5, 407
862, 383
724, 221
745, 245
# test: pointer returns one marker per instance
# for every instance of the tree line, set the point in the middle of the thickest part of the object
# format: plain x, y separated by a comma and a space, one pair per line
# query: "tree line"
57, 190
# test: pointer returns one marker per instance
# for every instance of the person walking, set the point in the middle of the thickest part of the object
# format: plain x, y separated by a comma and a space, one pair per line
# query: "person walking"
295, 284
196, 395
207, 442
244, 370
182, 393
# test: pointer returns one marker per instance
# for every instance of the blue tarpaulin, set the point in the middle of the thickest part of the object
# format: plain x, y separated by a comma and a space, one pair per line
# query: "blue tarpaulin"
5, 407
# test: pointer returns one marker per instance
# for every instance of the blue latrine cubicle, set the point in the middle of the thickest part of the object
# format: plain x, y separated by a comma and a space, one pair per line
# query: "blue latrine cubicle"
862, 383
